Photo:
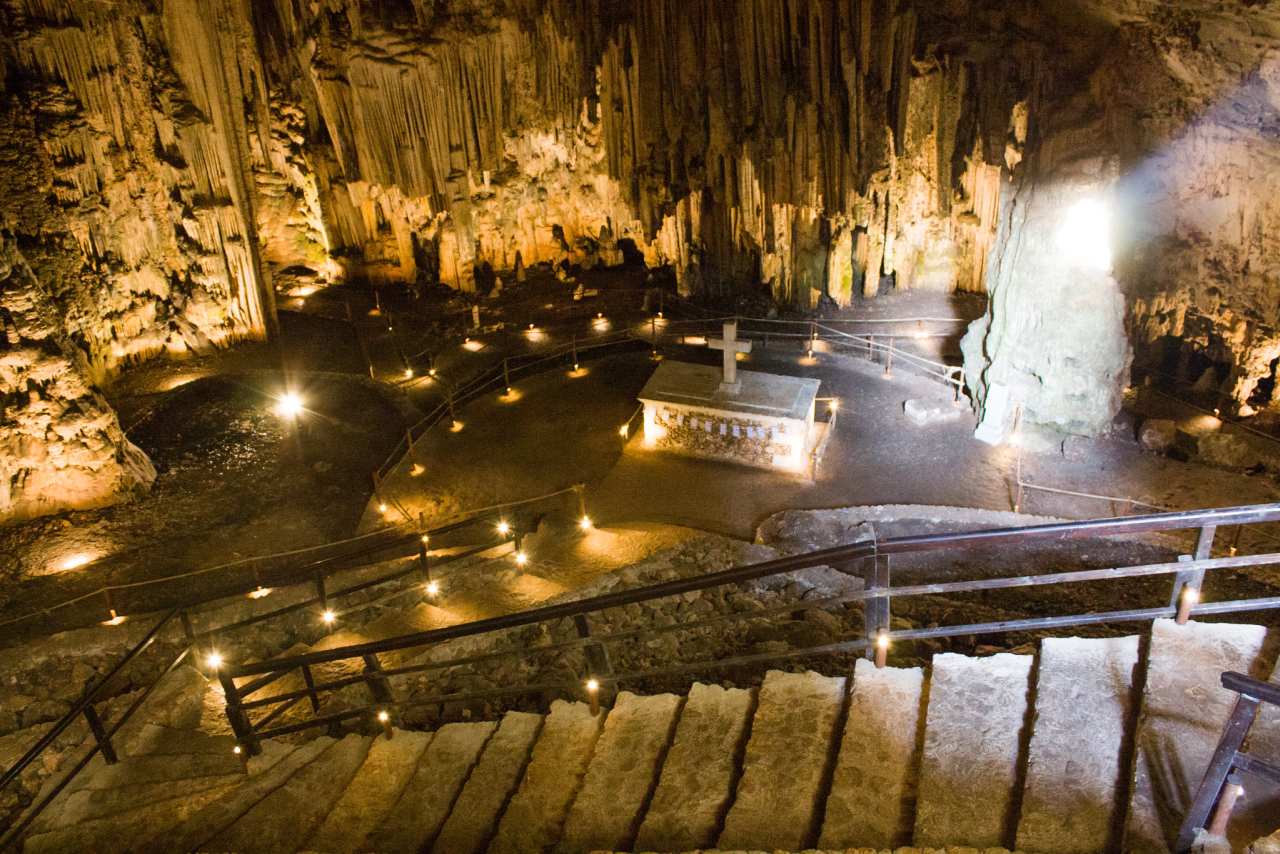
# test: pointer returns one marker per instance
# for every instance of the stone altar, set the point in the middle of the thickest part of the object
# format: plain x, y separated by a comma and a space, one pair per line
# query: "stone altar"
747, 417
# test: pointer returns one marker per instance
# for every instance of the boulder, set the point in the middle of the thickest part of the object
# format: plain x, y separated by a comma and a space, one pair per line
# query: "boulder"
923, 413
1268, 845
1228, 450
1158, 435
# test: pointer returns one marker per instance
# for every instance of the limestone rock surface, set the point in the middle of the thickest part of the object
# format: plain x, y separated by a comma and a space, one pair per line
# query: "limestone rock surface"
969, 770
696, 782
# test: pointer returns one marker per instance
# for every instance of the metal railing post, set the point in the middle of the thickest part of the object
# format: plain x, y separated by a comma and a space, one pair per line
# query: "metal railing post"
321, 594
379, 687
238, 718
876, 610
311, 688
1188, 583
100, 735
598, 664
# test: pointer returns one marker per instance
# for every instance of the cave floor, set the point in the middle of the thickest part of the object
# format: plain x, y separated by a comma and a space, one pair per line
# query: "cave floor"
232, 484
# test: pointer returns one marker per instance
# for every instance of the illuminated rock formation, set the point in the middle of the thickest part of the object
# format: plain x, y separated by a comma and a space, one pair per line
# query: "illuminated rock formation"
163, 162
61, 446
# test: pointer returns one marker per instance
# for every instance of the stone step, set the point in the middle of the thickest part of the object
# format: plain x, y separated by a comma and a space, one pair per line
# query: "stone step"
973, 738
1184, 708
416, 819
873, 790
177, 702
141, 822
536, 813
139, 825
371, 794
91, 804
697, 779
793, 735
112, 786
475, 813
279, 823
196, 831
622, 774
1072, 802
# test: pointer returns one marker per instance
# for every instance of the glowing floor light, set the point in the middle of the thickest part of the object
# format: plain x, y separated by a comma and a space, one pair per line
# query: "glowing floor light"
289, 405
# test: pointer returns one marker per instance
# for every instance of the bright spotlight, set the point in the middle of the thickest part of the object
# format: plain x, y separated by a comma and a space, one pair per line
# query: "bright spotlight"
504, 528
213, 660
433, 588
585, 523
289, 405
328, 617
521, 558
1085, 234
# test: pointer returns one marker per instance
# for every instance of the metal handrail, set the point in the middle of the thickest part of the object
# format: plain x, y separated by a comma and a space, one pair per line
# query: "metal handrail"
87, 699
101, 735
1219, 517
102, 739
1188, 574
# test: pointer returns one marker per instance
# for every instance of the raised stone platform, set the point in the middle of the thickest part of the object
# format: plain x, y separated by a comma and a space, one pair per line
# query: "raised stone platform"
762, 420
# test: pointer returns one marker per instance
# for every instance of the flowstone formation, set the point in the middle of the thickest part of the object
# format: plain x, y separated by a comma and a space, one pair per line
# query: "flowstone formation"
1052, 341
61, 446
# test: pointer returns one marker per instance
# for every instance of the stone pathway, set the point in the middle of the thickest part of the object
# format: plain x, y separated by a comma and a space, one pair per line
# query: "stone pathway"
839, 761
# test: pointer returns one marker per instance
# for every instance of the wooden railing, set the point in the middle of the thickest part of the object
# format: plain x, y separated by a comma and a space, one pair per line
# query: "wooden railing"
1222, 784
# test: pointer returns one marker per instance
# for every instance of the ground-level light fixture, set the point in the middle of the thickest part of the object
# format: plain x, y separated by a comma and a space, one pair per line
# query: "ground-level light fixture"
504, 527
383, 716
289, 405
1189, 599
585, 523
382, 507
75, 561
833, 404
213, 660
593, 695
259, 592
328, 617
433, 588
521, 558
115, 620
408, 373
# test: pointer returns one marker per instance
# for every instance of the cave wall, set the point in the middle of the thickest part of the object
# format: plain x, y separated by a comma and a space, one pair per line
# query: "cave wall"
1194, 104
735, 142
168, 166
62, 447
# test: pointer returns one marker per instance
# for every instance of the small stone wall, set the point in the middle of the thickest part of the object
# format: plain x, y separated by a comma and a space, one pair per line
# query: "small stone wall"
753, 442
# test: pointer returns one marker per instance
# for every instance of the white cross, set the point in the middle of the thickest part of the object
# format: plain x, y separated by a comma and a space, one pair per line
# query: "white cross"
731, 347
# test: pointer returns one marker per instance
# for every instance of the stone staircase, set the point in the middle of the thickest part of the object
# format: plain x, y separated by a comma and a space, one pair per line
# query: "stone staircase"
1087, 743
